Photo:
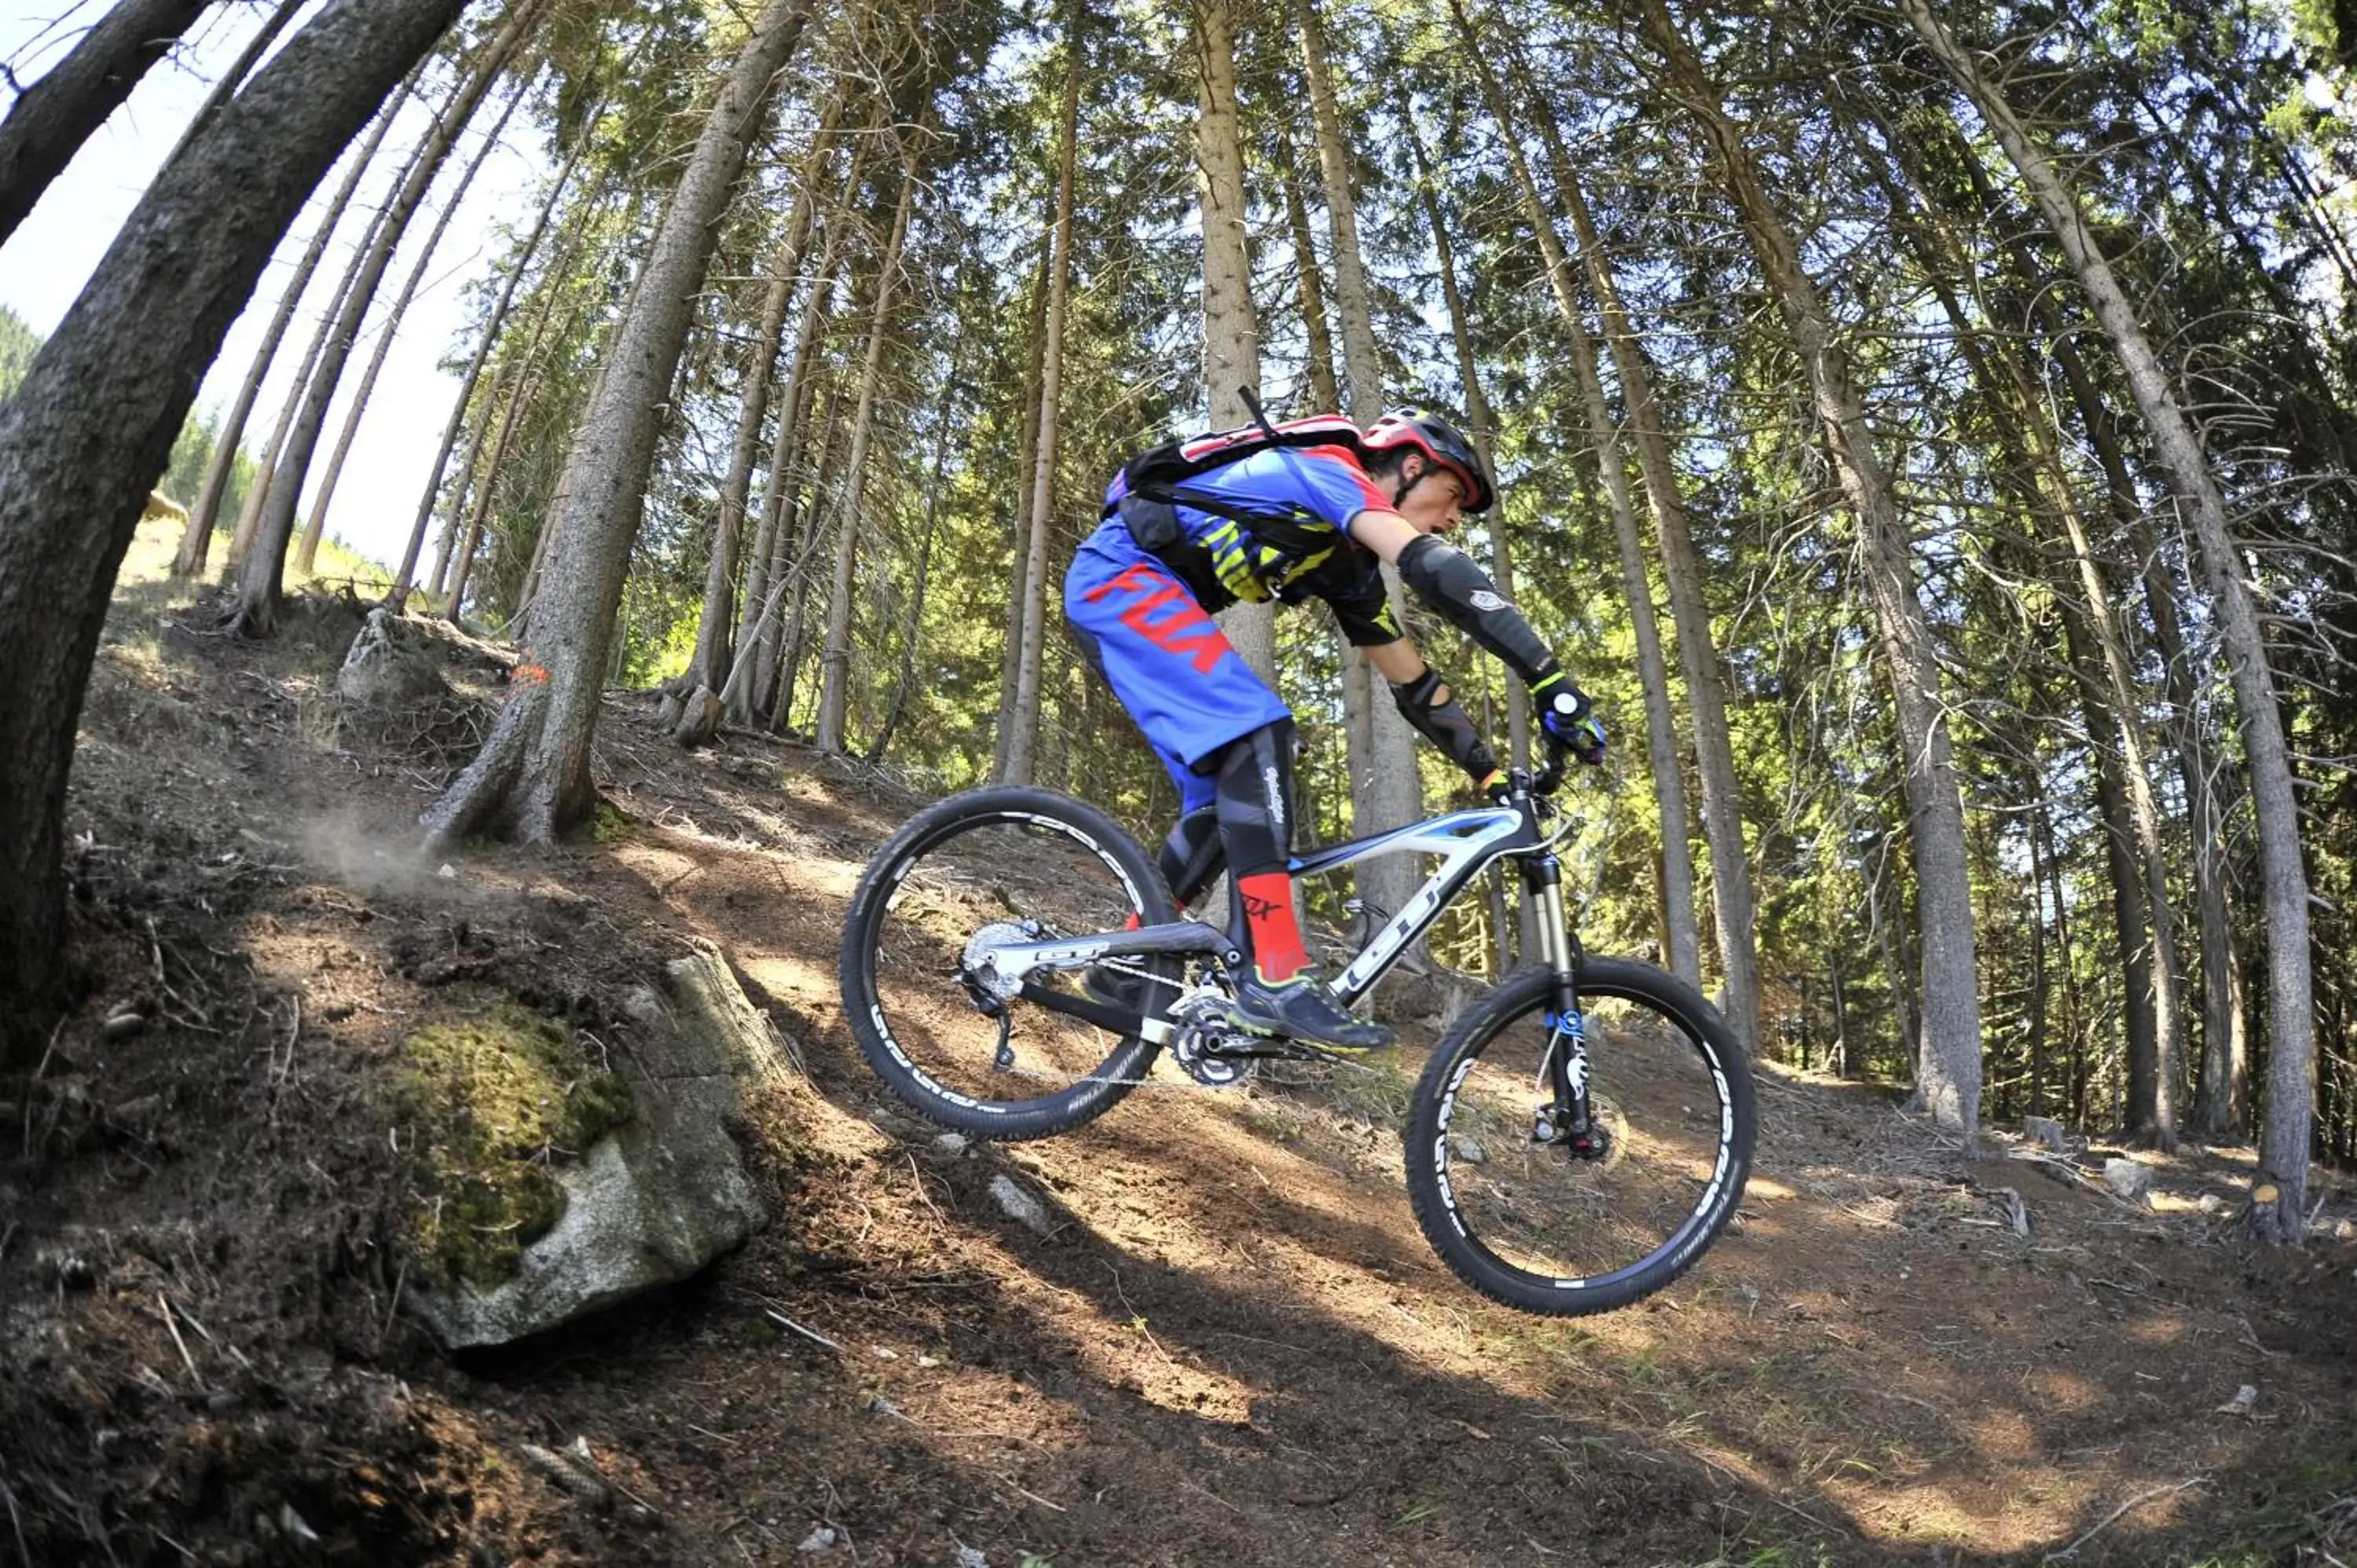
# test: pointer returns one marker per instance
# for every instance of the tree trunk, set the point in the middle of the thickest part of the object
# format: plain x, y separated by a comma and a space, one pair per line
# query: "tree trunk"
2062, 947
1482, 427
1231, 324
95, 418
2131, 913
811, 529
1681, 927
2291, 1075
1483, 430
780, 510
1010, 653
835, 688
257, 494
512, 392
531, 779
1684, 955
494, 327
2218, 1107
1023, 735
2200, 765
307, 549
1386, 789
239, 70
786, 567
196, 542
1323, 392
1951, 1073
710, 665
2112, 700
51, 119
2153, 1074
264, 566
950, 388
1722, 794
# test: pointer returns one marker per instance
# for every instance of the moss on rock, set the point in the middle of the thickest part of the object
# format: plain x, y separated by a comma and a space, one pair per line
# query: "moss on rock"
495, 1099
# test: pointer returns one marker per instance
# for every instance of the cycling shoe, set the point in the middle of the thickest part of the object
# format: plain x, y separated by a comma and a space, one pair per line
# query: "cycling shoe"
1302, 1008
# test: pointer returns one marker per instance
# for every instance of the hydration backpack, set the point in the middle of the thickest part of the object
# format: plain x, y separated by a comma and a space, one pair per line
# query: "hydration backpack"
1161, 473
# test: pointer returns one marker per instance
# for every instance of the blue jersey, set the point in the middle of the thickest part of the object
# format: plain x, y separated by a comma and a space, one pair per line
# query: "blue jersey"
1289, 539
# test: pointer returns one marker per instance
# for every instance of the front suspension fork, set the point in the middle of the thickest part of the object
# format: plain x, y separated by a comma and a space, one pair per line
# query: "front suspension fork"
1565, 1117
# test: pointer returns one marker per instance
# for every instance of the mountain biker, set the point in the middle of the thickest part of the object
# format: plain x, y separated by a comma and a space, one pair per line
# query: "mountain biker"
1292, 522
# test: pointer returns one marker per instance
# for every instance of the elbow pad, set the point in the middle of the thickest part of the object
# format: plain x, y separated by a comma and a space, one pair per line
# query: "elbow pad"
1446, 578
1445, 725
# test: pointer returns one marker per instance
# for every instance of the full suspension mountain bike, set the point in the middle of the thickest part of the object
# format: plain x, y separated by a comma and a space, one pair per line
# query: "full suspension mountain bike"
1575, 1141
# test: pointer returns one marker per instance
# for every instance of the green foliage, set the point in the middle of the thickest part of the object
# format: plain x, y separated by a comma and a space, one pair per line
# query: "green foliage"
2287, 1517
488, 1103
18, 344
192, 454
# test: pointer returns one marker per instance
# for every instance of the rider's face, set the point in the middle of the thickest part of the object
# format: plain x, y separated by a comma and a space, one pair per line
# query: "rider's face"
1433, 503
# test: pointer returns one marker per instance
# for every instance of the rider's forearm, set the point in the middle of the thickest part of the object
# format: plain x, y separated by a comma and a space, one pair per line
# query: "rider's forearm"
1437, 716
1446, 578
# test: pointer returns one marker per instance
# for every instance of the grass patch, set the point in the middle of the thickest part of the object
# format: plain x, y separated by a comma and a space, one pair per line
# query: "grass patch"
1377, 1090
2308, 1506
610, 825
1270, 1120
492, 1103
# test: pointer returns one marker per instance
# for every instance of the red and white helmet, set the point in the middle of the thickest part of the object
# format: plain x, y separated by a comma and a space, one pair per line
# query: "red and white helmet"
1441, 443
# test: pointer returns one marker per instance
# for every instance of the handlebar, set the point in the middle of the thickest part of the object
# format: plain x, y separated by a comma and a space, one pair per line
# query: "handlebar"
1549, 778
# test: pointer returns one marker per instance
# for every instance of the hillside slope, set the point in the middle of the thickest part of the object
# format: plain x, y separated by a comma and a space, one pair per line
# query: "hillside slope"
1230, 1347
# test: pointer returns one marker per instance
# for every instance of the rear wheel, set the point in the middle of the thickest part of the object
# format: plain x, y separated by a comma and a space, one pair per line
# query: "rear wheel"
1540, 1226
1003, 864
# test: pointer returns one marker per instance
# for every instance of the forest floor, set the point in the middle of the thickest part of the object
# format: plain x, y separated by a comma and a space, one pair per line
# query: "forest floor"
1231, 1348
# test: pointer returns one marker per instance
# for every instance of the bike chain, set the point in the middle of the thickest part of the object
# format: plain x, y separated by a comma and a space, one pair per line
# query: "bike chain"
1188, 1082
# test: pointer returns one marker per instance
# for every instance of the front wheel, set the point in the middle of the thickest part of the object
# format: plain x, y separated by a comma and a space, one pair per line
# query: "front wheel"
1006, 864
1563, 1229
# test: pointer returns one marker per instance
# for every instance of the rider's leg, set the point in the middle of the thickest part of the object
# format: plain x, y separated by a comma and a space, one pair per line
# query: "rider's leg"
1195, 697
1255, 821
1177, 677
1190, 858
1276, 994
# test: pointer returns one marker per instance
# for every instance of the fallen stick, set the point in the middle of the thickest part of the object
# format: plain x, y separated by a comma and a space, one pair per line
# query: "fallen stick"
174, 1325
2114, 1516
813, 1335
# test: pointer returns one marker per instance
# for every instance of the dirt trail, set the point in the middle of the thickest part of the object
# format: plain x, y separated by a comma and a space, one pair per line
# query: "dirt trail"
1231, 1346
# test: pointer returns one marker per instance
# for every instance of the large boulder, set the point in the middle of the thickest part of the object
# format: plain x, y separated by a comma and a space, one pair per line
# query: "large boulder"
657, 1199
389, 667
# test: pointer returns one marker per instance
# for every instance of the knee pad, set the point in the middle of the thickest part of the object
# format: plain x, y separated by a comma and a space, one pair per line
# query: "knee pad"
1190, 858
1256, 800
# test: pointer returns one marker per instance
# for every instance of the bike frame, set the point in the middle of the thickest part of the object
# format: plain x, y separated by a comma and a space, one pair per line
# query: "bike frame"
1465, 842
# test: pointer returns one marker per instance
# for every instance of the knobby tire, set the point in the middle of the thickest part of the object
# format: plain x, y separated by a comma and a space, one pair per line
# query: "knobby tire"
1685, 1125
1058, 821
